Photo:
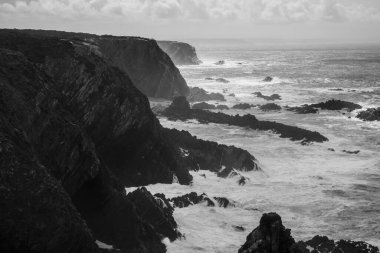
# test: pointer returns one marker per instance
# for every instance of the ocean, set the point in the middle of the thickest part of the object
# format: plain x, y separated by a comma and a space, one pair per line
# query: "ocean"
315, 190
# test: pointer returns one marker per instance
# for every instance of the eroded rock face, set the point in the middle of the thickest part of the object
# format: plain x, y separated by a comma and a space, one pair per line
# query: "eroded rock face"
370, 114
176, 111
150, 69
272, 237
181, 53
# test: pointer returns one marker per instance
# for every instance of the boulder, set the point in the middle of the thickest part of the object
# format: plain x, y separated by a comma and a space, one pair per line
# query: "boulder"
270, 107
242, 106
370, 114
269, 98
268, 79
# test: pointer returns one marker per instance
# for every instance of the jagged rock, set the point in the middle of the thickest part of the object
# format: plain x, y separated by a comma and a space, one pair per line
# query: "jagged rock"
269, 98
181, 53
199, 94
272, 237
221, 62
336, 105
222, 80
150, 68
242, 106
191, 198
224, 202
268, 79
270, 107
211, 155
176, 111
203, 106
370, 114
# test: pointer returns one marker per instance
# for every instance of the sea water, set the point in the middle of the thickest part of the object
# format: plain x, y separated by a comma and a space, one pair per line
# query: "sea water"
315, 190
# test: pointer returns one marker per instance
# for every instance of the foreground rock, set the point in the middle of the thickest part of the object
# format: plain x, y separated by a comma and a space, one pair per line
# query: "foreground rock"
370, 114
199, 94
269, 98
180, 109
272, 237
150, 69
181, 53
208, 155
270, 107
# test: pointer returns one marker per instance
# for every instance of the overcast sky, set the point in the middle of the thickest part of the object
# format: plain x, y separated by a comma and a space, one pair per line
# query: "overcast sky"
330, 20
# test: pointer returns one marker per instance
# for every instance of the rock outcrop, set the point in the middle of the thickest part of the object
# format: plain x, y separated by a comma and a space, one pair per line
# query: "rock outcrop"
203, 106
268, 79
150, 69
199, 95
208, 155
242, 106
328, 105
269, 98
272, 237
180, 109
370, 114
181, 53
270, 107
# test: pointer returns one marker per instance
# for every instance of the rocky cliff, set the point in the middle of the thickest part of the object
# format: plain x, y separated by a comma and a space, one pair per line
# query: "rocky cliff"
69, 123
150, 69
181, 53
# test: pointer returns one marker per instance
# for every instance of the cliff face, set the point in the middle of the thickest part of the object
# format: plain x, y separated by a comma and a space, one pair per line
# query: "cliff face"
69, 123
150, 69
181, 53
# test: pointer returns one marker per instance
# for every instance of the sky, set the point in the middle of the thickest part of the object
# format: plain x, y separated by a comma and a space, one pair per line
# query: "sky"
282, 20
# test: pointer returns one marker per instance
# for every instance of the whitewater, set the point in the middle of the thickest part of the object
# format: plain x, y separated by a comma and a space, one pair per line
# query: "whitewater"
317, 188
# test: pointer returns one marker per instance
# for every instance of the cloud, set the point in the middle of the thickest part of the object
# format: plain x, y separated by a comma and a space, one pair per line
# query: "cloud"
256, 11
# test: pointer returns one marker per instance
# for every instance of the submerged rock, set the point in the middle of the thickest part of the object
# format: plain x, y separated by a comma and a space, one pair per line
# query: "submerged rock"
270, 107
351, 152
269, 98
370, 114
181, 53
199, 94
180, 109
272, 237
268, 79
221, 62
222, 80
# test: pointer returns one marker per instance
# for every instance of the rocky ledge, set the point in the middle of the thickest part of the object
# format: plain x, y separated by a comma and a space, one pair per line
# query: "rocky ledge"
180, 110
328, 105
272, 237
181, 53
370, 114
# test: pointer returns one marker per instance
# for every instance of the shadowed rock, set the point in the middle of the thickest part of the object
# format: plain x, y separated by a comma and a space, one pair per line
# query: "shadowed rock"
269, 98
370, 114
272, 237
180, 109
199, 94
270, 107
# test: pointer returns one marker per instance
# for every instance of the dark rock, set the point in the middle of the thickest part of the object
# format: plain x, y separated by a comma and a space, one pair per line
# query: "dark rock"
331, 149
232, 95
269, 237
191, 199
211, 155
209, 78
336, 89
221, 62
304, 109
242, 106
199, 94
239, 228
243, 180
222, 80
351, 152
181, 53
150, 69
270, 107
224, 202
294, 133
272, 237
370, 114
222, 107
336, 105
203, 106
268, 79
269, 98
